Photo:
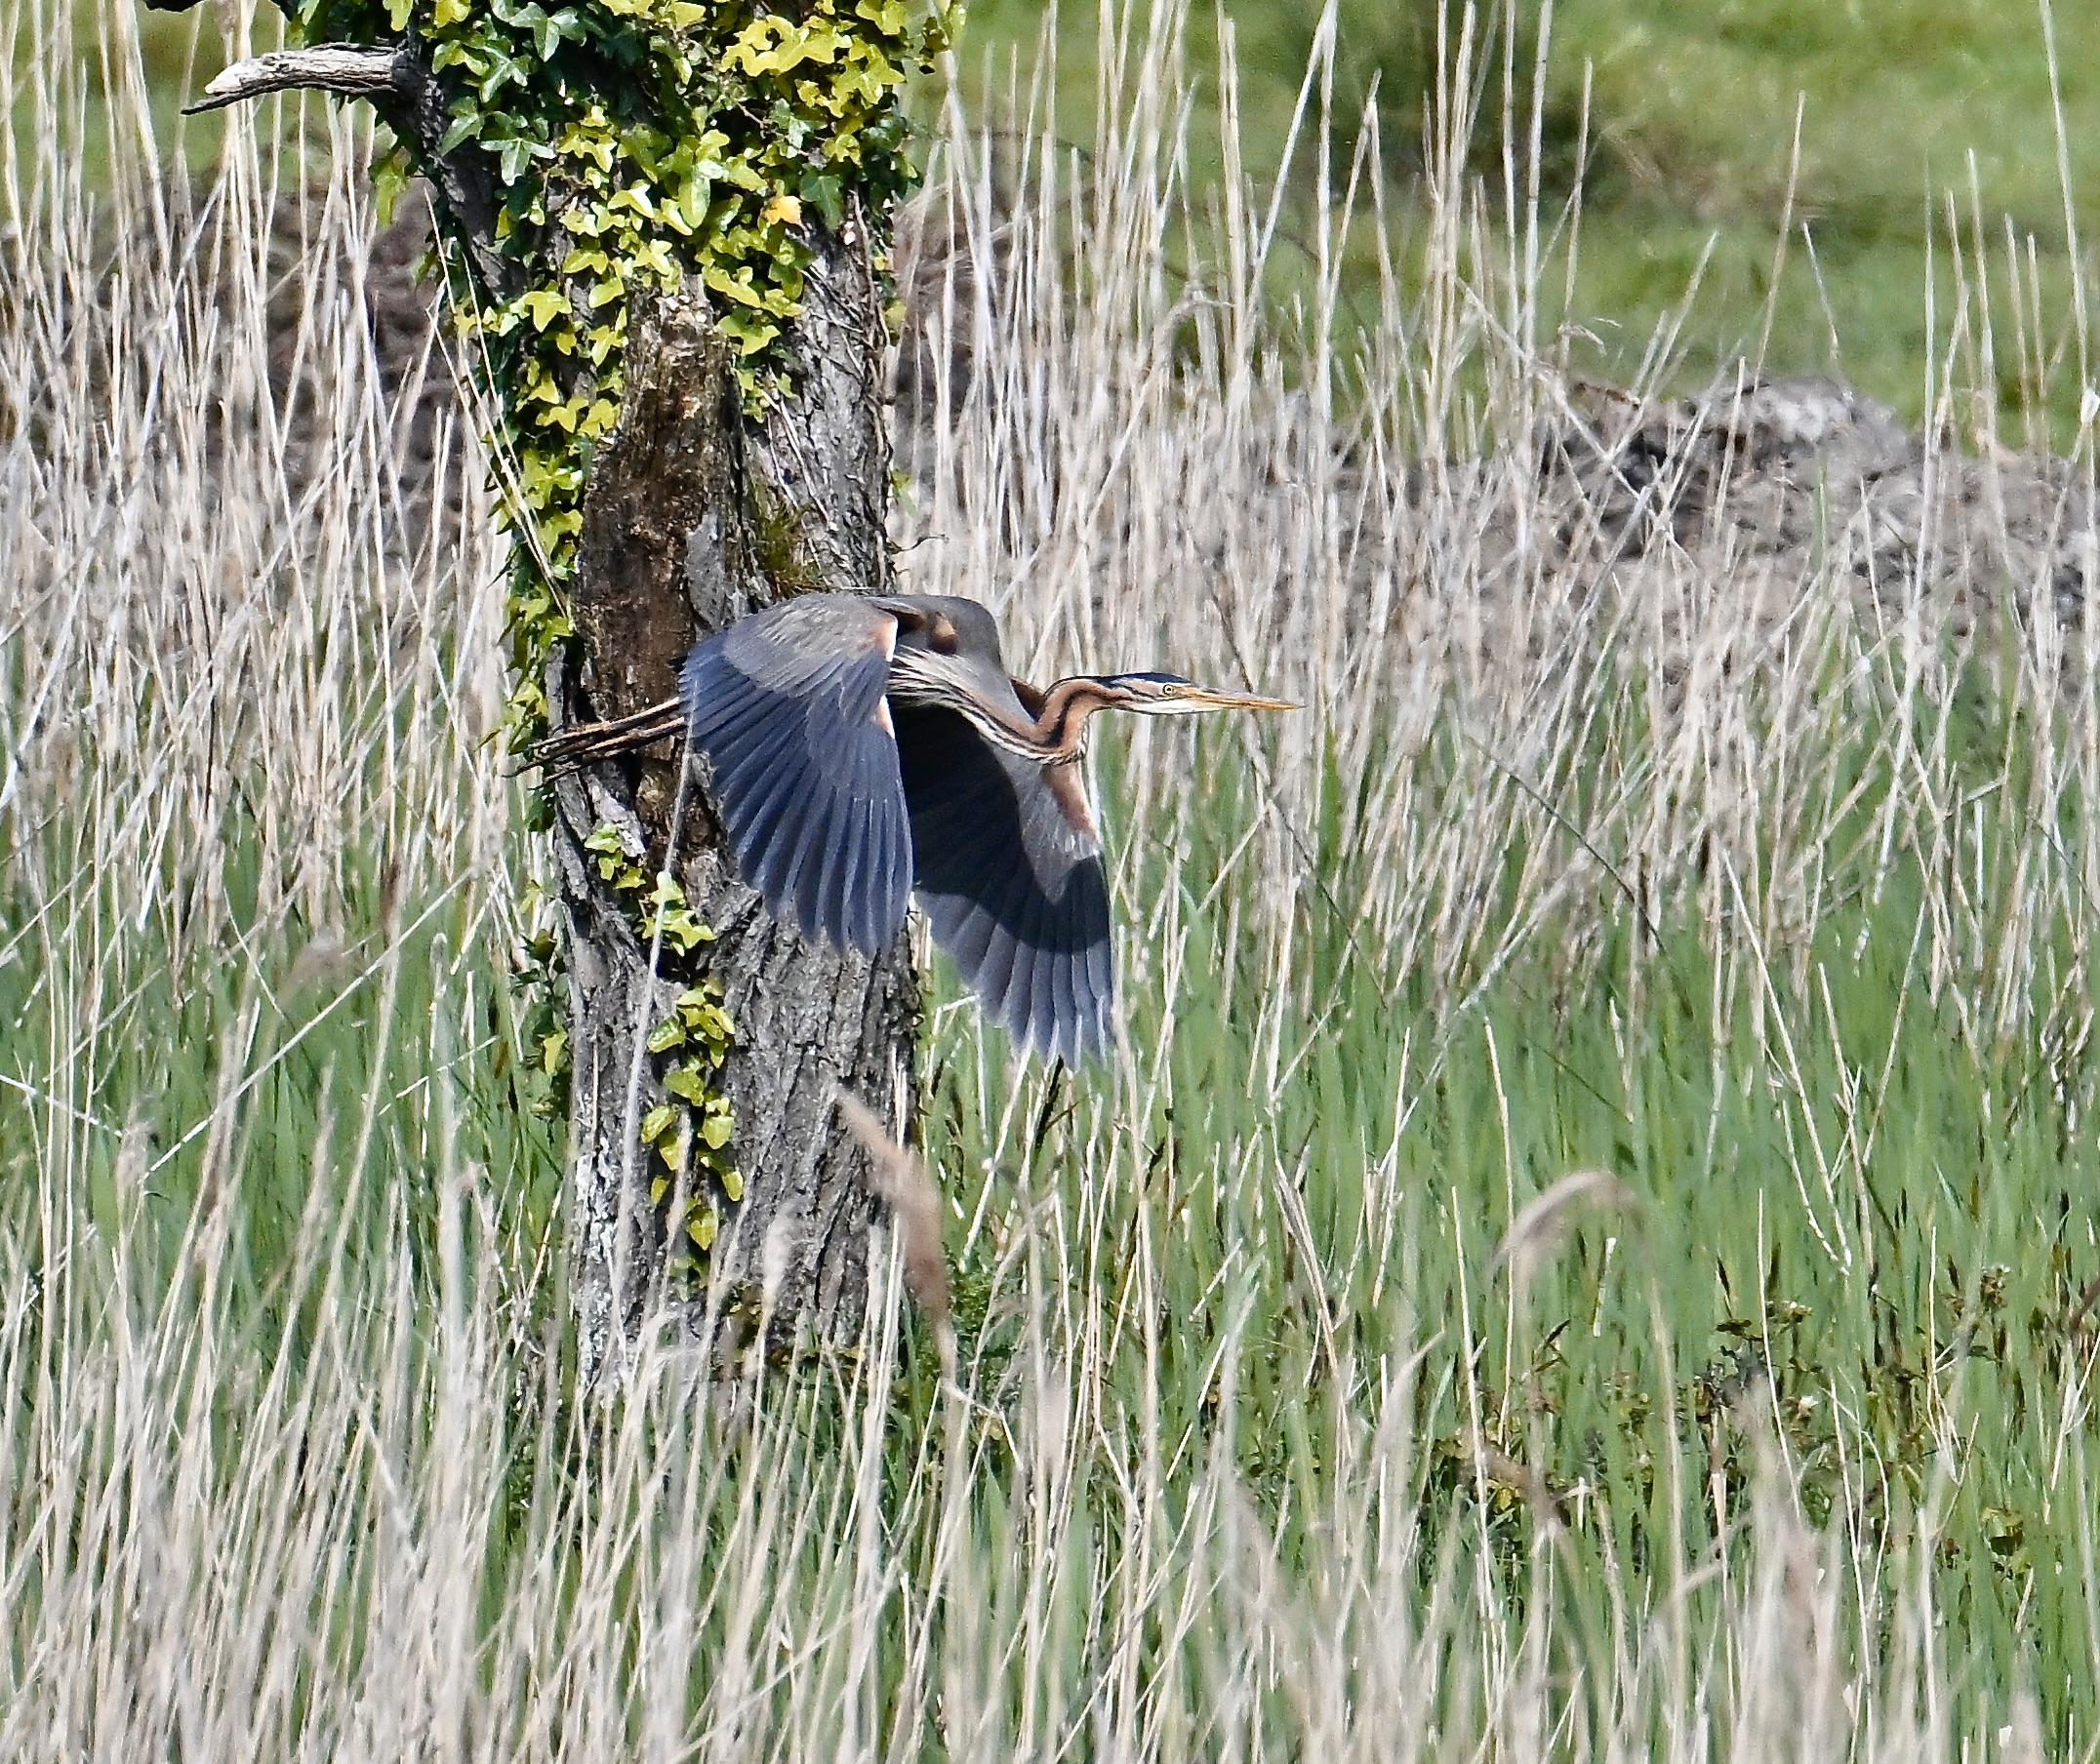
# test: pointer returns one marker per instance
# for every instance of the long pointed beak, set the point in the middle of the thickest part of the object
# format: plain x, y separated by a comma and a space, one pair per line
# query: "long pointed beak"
1203, 699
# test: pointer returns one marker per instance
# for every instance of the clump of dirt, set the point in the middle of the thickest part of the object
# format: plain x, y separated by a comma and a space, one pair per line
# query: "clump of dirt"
1776, 485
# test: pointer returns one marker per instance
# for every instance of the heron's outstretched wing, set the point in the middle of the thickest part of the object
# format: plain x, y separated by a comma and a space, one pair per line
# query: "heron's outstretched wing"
1010, 877
788, 706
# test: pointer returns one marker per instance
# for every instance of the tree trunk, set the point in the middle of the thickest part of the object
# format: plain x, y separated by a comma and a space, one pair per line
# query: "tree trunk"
693, 516
692, 513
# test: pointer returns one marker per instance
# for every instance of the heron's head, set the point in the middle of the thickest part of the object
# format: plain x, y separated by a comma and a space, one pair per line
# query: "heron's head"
1169, 695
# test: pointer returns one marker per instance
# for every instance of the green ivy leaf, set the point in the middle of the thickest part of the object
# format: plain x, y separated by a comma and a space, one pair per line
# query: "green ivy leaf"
466, 125
689, 1082
514, 155
825, 191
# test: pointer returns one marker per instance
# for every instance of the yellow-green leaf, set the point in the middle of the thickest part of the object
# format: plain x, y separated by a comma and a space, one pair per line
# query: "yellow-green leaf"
542, 305
723, 283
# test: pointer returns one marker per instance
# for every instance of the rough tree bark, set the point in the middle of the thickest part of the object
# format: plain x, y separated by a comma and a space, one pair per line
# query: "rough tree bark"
672, 549
694, 513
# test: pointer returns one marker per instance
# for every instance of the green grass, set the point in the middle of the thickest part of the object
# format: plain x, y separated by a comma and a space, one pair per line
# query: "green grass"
1851, 1246
307, 1062
1852, 1239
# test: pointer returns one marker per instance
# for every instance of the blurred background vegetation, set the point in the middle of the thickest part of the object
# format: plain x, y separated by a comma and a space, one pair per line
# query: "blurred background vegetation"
1680, 122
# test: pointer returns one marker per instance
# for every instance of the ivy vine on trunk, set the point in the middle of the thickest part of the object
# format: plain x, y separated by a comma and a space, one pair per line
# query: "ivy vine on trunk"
663, 226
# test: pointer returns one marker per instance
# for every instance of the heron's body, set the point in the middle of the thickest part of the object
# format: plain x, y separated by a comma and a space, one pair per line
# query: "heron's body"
864, 748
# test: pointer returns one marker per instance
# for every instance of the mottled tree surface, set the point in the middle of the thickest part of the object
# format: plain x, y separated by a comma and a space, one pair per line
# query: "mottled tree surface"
672, 549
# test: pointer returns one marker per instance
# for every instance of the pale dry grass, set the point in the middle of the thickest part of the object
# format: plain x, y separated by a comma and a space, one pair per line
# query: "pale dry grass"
320, 1494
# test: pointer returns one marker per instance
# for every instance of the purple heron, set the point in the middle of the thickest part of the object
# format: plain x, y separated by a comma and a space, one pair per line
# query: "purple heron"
862, 749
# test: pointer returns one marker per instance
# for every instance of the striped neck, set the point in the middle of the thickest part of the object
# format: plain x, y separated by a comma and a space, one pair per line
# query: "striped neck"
1057, 736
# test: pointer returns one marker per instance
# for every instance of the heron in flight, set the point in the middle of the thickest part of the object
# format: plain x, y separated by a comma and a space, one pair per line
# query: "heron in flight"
862, 749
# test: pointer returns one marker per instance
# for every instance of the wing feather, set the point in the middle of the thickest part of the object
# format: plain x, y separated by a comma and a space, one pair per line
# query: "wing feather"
1011, 881
760, 784
784, 704
836, 903
780, 865
742, 740
896, 846
1064, 1013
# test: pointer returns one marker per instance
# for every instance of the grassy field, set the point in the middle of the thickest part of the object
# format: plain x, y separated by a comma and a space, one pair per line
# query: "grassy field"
1927, 129
1582, 1251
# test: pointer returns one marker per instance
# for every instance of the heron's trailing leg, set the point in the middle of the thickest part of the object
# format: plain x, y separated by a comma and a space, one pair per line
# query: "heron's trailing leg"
584, 743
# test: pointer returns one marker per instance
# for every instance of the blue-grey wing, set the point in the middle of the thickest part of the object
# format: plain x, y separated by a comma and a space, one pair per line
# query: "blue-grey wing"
1009, 876
787, 706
